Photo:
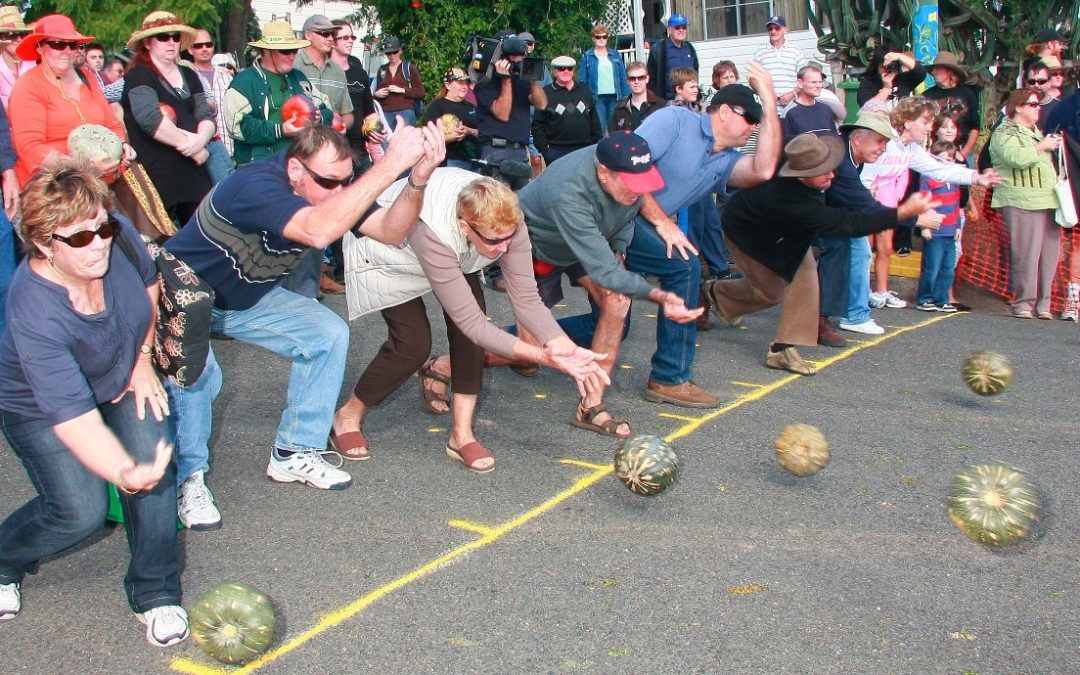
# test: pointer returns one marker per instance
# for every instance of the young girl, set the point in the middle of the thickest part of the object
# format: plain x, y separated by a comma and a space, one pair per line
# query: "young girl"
939, 251
947, 128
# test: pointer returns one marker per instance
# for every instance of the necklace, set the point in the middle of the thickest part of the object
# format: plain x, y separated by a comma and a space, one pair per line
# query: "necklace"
58, 81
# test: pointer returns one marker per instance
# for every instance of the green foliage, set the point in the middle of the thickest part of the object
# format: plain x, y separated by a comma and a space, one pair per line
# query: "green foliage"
433, 33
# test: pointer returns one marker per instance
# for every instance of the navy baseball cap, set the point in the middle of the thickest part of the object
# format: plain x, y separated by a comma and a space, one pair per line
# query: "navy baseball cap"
777, 19
628, 155
677, 20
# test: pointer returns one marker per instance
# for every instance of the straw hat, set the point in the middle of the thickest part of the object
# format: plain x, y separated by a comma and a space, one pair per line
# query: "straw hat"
279, 35
11, 21
51, 27
159, 23
809, 155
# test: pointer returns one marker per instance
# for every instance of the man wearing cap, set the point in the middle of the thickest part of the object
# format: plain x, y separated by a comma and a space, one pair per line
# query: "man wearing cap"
570, 121
674, 51
1037, 77
696, 156
580, 214
328, 77
772, 249
397, 84
530, 47
502, 109
254, 99
782, 59
951, 93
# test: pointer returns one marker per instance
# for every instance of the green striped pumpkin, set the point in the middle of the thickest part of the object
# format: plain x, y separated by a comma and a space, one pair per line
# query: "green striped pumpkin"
987, 372
233, 622
646, 464
994, 504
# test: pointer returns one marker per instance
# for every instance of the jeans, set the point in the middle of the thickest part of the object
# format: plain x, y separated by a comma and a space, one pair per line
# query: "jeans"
192, 451
707, 236
858, 296
675, 342
605, 108
305, 277
834, 266
7, 263
220, 164
938, 270
72, 503
314, 337
408, 114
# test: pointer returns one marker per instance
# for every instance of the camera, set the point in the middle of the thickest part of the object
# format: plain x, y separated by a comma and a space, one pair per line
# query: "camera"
481, 53
893, 67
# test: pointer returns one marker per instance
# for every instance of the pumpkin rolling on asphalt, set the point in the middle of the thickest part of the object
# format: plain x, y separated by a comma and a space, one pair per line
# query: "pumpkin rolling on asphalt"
993, 504
801, 449
233, 622
987, 372
646, 464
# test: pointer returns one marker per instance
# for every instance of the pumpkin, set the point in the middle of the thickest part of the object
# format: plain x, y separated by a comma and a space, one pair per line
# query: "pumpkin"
987, 372
168, 112
646, 464
372, 126
801, 449
89, 142
994, 504
338, 122
300, 110
449, 123
233, 622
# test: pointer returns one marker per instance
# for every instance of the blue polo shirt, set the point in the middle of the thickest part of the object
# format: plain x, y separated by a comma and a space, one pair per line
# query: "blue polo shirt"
681, 143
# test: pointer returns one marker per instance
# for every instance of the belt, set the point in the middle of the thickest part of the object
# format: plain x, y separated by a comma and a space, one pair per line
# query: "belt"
503, 143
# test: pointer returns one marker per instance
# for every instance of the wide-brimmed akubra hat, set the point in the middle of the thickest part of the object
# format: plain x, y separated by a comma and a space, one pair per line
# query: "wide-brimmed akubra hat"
11, 21
51, 27
279, 35
160, 23
950, 61
876, 121
809, 155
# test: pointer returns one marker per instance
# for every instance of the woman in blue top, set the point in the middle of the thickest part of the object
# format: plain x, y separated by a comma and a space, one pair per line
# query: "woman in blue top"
602, 70
80, 402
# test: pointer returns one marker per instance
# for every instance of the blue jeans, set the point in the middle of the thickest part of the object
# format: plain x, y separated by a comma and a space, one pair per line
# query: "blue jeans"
834, 266
707, 236
858, 296
675, 342
409, 115
605, 108
938, 270
314, 337
72, 503
7, 263
305, 277
220, 165
192, 452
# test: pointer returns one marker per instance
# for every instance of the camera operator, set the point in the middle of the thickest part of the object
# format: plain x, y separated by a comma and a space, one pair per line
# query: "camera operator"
502, 107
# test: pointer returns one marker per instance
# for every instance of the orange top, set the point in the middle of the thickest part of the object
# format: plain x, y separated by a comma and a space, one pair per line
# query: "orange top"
41, 118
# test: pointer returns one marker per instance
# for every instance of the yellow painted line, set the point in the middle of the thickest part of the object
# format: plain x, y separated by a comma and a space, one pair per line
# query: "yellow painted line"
471, 527
435, 430
539, 395
626, 366
683, 418
598, 472
752, 385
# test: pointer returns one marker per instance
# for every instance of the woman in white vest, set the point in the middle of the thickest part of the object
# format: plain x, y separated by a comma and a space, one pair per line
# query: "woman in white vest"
466, 222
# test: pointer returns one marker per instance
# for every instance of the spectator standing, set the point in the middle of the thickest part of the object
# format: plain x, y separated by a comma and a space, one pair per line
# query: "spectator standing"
324, 75
570, 120
359, 84
602, 70
890, 75
12, 32
10, 186
397, 84
782, 59
808, 113
674, 51
451, 100
630, 112
113, 71
215, 81
95, 56
952, 94
1066, 117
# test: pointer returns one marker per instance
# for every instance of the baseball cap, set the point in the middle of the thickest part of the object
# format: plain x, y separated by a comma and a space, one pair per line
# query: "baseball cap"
514, 46
526, 36
628, 155
777, 19
676, 20
318, 22
739, 95
1048, 35
391, 43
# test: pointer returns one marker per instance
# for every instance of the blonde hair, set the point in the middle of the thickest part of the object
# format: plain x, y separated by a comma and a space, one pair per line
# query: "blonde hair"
910, 109
680, 76
600, 28
490, 205
58, 195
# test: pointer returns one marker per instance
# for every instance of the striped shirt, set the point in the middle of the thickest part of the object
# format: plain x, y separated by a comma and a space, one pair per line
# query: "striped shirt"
783, 64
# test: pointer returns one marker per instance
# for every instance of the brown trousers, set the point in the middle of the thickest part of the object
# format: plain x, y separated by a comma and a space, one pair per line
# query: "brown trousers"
408, 345
1034, 249
761, 288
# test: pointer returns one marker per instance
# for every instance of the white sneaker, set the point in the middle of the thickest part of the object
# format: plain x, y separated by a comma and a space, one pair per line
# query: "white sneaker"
195, 504
10, 601
877, 300
886, 299
1070, 312
165, 625
868, 327
308, 467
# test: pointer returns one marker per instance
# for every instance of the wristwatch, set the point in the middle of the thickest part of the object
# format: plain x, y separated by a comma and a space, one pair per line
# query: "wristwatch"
146, 349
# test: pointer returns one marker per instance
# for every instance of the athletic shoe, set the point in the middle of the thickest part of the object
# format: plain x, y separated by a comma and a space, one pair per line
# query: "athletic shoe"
1044, 315
307, 467
10, 601
868, 327
927, 307
948, 308
877, 300
886, 299
903, 252
195, 504
1069, 314
165, 625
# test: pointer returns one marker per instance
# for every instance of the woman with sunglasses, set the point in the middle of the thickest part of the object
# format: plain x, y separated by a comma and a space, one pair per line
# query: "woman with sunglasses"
166, 113
465, 223
1026, 198
603, 72
12, 31
451, 100
55, 97
80, 402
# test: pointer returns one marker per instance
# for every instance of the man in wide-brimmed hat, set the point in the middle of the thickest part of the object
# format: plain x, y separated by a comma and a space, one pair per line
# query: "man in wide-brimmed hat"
769, 229
952, 94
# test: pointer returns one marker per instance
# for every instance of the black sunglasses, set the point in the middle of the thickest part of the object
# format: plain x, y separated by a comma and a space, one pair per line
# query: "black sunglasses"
328, 183
563, 68
637, 78
600, 37
489, 241
324, 33
12, 36
60, 45
202, 45
83, 239
286, 52
168, 37
1042, 80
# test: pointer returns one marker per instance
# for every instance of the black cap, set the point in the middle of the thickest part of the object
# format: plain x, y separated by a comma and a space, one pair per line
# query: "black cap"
742, 96
1048, 35
514, 46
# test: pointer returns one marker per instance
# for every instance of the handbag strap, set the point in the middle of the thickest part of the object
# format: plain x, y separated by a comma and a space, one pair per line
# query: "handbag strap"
1063, 165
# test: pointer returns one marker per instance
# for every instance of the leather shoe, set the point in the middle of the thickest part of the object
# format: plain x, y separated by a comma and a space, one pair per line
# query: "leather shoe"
788, 360
686, 395
717, 308
328, 285
703, 320
827, 335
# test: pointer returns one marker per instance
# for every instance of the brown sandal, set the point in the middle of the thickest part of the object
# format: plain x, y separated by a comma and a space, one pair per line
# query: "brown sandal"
425, 375
351, 445
585, 416
469, 454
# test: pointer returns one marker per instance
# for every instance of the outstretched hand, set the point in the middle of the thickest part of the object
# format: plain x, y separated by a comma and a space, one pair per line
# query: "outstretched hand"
676, 239
675, 309
579, 363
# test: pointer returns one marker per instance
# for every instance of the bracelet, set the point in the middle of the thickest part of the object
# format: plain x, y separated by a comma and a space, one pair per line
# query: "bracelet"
119, 482
415, 186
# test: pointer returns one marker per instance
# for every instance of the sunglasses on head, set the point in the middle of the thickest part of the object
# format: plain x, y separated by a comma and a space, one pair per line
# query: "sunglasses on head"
488, 240
328, 183
60, 45
324, 33
202, 45
168, 37
637, 78
83, 239
1041, 80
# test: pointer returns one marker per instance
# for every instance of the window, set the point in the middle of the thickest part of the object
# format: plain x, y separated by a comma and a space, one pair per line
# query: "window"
729, 18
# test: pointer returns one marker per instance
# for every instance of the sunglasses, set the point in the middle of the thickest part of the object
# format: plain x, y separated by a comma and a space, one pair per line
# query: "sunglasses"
346, 37
83, 239
1031, 104
61, 45
286, 52
557, 68
12, 36
328, 183
324, 33
392, 52
489, 241
679, 28
168, 37
202, 45
1042, 80
637, 78
741, 112
600, 37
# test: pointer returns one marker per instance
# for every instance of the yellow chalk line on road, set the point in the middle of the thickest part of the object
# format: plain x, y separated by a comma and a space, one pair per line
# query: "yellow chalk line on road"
489, 535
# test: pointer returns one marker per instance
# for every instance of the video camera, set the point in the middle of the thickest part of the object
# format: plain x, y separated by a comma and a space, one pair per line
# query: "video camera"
481, 53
